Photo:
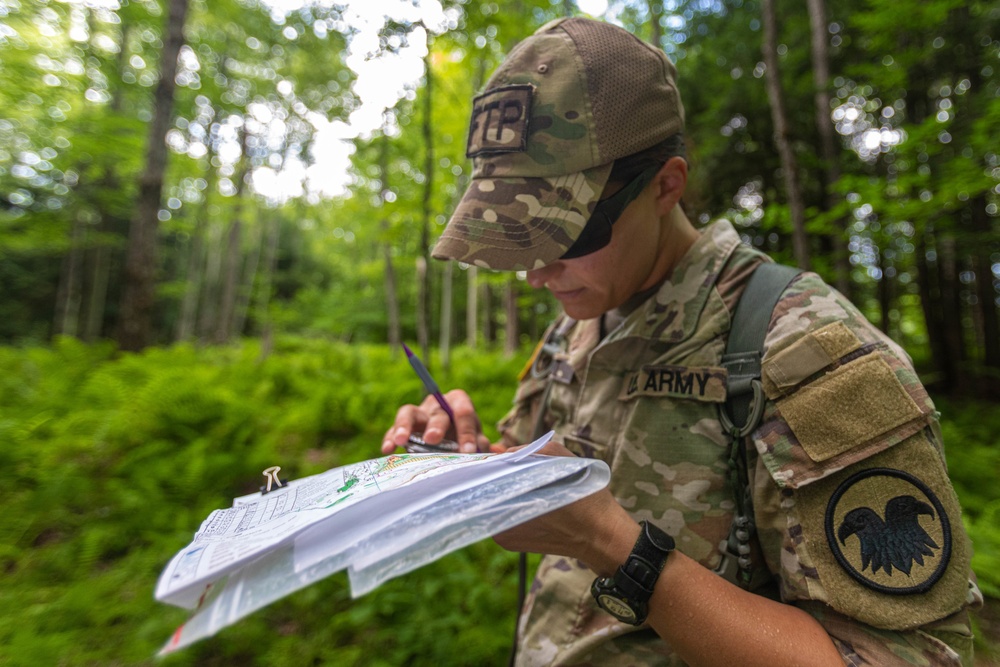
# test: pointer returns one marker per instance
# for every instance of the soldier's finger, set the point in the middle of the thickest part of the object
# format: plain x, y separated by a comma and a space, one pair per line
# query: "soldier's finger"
468, 428
409, 418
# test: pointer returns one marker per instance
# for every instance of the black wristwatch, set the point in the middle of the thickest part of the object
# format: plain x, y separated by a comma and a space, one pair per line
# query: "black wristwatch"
626, 595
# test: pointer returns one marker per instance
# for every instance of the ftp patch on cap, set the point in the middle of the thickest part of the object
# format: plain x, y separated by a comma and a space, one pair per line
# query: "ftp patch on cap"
500, 120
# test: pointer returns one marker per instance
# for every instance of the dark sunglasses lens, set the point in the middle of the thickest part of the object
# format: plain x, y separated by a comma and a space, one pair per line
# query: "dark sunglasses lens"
597, 232
595, 235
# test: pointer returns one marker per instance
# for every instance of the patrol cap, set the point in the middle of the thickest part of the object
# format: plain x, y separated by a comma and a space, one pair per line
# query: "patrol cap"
565, 104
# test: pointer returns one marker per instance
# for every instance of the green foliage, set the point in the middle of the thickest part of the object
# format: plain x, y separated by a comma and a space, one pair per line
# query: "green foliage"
112, 461
972, 445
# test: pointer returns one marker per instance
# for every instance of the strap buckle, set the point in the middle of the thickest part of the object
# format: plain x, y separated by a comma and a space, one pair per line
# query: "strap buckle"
755, 412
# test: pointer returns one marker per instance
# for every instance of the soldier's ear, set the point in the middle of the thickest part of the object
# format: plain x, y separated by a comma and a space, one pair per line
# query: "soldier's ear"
669, 184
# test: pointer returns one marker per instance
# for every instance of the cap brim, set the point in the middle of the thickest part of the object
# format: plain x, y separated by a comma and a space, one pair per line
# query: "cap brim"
517, 224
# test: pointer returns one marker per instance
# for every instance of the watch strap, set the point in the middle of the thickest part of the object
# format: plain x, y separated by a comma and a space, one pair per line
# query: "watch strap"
626, 595
637, 577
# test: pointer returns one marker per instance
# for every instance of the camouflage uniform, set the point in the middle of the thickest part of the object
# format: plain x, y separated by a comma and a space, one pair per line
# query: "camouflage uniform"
849, 435
857, 521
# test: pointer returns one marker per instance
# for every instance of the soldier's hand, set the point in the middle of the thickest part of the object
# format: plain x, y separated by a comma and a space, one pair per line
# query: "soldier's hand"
595, 530
432, 422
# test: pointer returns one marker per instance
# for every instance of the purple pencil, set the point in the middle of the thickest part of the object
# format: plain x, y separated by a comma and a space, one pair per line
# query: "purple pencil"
429, 382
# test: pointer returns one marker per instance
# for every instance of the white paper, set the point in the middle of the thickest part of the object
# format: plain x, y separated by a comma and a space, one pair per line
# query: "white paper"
378, 519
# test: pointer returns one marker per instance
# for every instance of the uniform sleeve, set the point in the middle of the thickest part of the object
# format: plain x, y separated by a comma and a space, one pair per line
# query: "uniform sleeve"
855, 513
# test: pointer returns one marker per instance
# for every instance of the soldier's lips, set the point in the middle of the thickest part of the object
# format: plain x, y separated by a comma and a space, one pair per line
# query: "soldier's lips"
566, 295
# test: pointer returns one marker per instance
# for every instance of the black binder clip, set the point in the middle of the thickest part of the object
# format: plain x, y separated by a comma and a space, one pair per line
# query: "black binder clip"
273, 481
416, 445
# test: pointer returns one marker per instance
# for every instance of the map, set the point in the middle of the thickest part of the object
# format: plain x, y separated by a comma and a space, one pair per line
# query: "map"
268, 545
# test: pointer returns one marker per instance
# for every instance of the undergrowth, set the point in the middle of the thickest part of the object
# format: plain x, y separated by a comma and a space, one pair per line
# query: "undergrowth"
111, 461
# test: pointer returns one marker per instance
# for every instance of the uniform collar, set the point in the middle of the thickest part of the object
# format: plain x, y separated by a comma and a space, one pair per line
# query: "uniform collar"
672, 313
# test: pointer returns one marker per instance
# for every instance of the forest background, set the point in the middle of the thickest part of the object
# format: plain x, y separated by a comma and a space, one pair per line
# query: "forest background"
208, 262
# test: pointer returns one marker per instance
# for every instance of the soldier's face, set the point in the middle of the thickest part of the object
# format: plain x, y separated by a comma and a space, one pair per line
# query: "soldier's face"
593, 284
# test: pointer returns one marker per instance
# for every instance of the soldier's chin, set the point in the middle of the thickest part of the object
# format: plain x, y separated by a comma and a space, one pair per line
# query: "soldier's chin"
581, 310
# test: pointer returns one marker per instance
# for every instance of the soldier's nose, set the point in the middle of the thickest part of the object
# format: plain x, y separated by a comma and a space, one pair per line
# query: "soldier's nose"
538, 277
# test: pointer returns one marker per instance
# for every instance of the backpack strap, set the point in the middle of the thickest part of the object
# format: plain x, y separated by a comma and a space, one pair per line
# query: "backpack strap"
745, 347
744, 407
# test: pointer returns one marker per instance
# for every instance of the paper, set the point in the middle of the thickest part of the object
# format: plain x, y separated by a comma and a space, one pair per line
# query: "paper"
378, 519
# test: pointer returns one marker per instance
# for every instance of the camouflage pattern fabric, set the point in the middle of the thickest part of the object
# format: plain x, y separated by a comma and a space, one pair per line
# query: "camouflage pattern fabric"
535, 177
667, 453
488, 230
543, 137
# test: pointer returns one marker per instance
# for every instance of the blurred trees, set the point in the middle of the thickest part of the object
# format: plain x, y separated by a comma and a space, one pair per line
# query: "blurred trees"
258, 228
140, 255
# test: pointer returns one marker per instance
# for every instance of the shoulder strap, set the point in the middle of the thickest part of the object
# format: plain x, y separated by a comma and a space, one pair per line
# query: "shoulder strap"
743, 409
746, 343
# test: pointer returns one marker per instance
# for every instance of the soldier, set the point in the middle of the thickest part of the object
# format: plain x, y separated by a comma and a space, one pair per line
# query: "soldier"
846, 528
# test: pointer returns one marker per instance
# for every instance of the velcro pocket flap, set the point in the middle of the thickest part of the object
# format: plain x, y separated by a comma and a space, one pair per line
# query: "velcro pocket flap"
859, 408
847, 407
806, 357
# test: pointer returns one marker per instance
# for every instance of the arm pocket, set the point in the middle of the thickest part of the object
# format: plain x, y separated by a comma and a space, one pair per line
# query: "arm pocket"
863, 406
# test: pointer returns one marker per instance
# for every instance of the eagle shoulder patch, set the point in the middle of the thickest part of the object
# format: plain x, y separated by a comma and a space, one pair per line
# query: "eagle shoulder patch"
889, 531
881, 540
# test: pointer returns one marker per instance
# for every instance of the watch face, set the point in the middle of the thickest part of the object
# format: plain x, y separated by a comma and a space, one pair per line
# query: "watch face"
616, 607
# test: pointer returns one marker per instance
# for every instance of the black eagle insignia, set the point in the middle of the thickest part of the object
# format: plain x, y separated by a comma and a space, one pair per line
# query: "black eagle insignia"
895, 542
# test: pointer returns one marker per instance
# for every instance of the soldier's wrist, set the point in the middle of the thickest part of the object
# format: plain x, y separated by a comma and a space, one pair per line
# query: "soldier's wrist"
627, 594
610, 550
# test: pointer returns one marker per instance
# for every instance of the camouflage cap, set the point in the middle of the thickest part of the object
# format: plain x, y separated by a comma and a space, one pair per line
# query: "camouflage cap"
565, 104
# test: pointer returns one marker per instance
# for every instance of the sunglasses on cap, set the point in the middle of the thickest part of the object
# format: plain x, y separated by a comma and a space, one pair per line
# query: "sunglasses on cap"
597, 232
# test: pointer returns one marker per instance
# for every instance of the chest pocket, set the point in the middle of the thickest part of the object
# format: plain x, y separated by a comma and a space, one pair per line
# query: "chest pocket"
670, 456
590, 417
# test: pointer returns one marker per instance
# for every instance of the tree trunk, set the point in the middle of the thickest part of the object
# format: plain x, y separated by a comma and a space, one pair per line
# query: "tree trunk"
423, 339
196, 257
245, 291
195, 270
930, 303
489, 317
444, 344
472, 307
828, 144
264, 292
951, 303
423, 261
210, 284
391, 298
233, 259
102, 250
885, 294
512, 323
655, 8
68, 295
986, 291
100, 271
779, 117
983, 240
135, 326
